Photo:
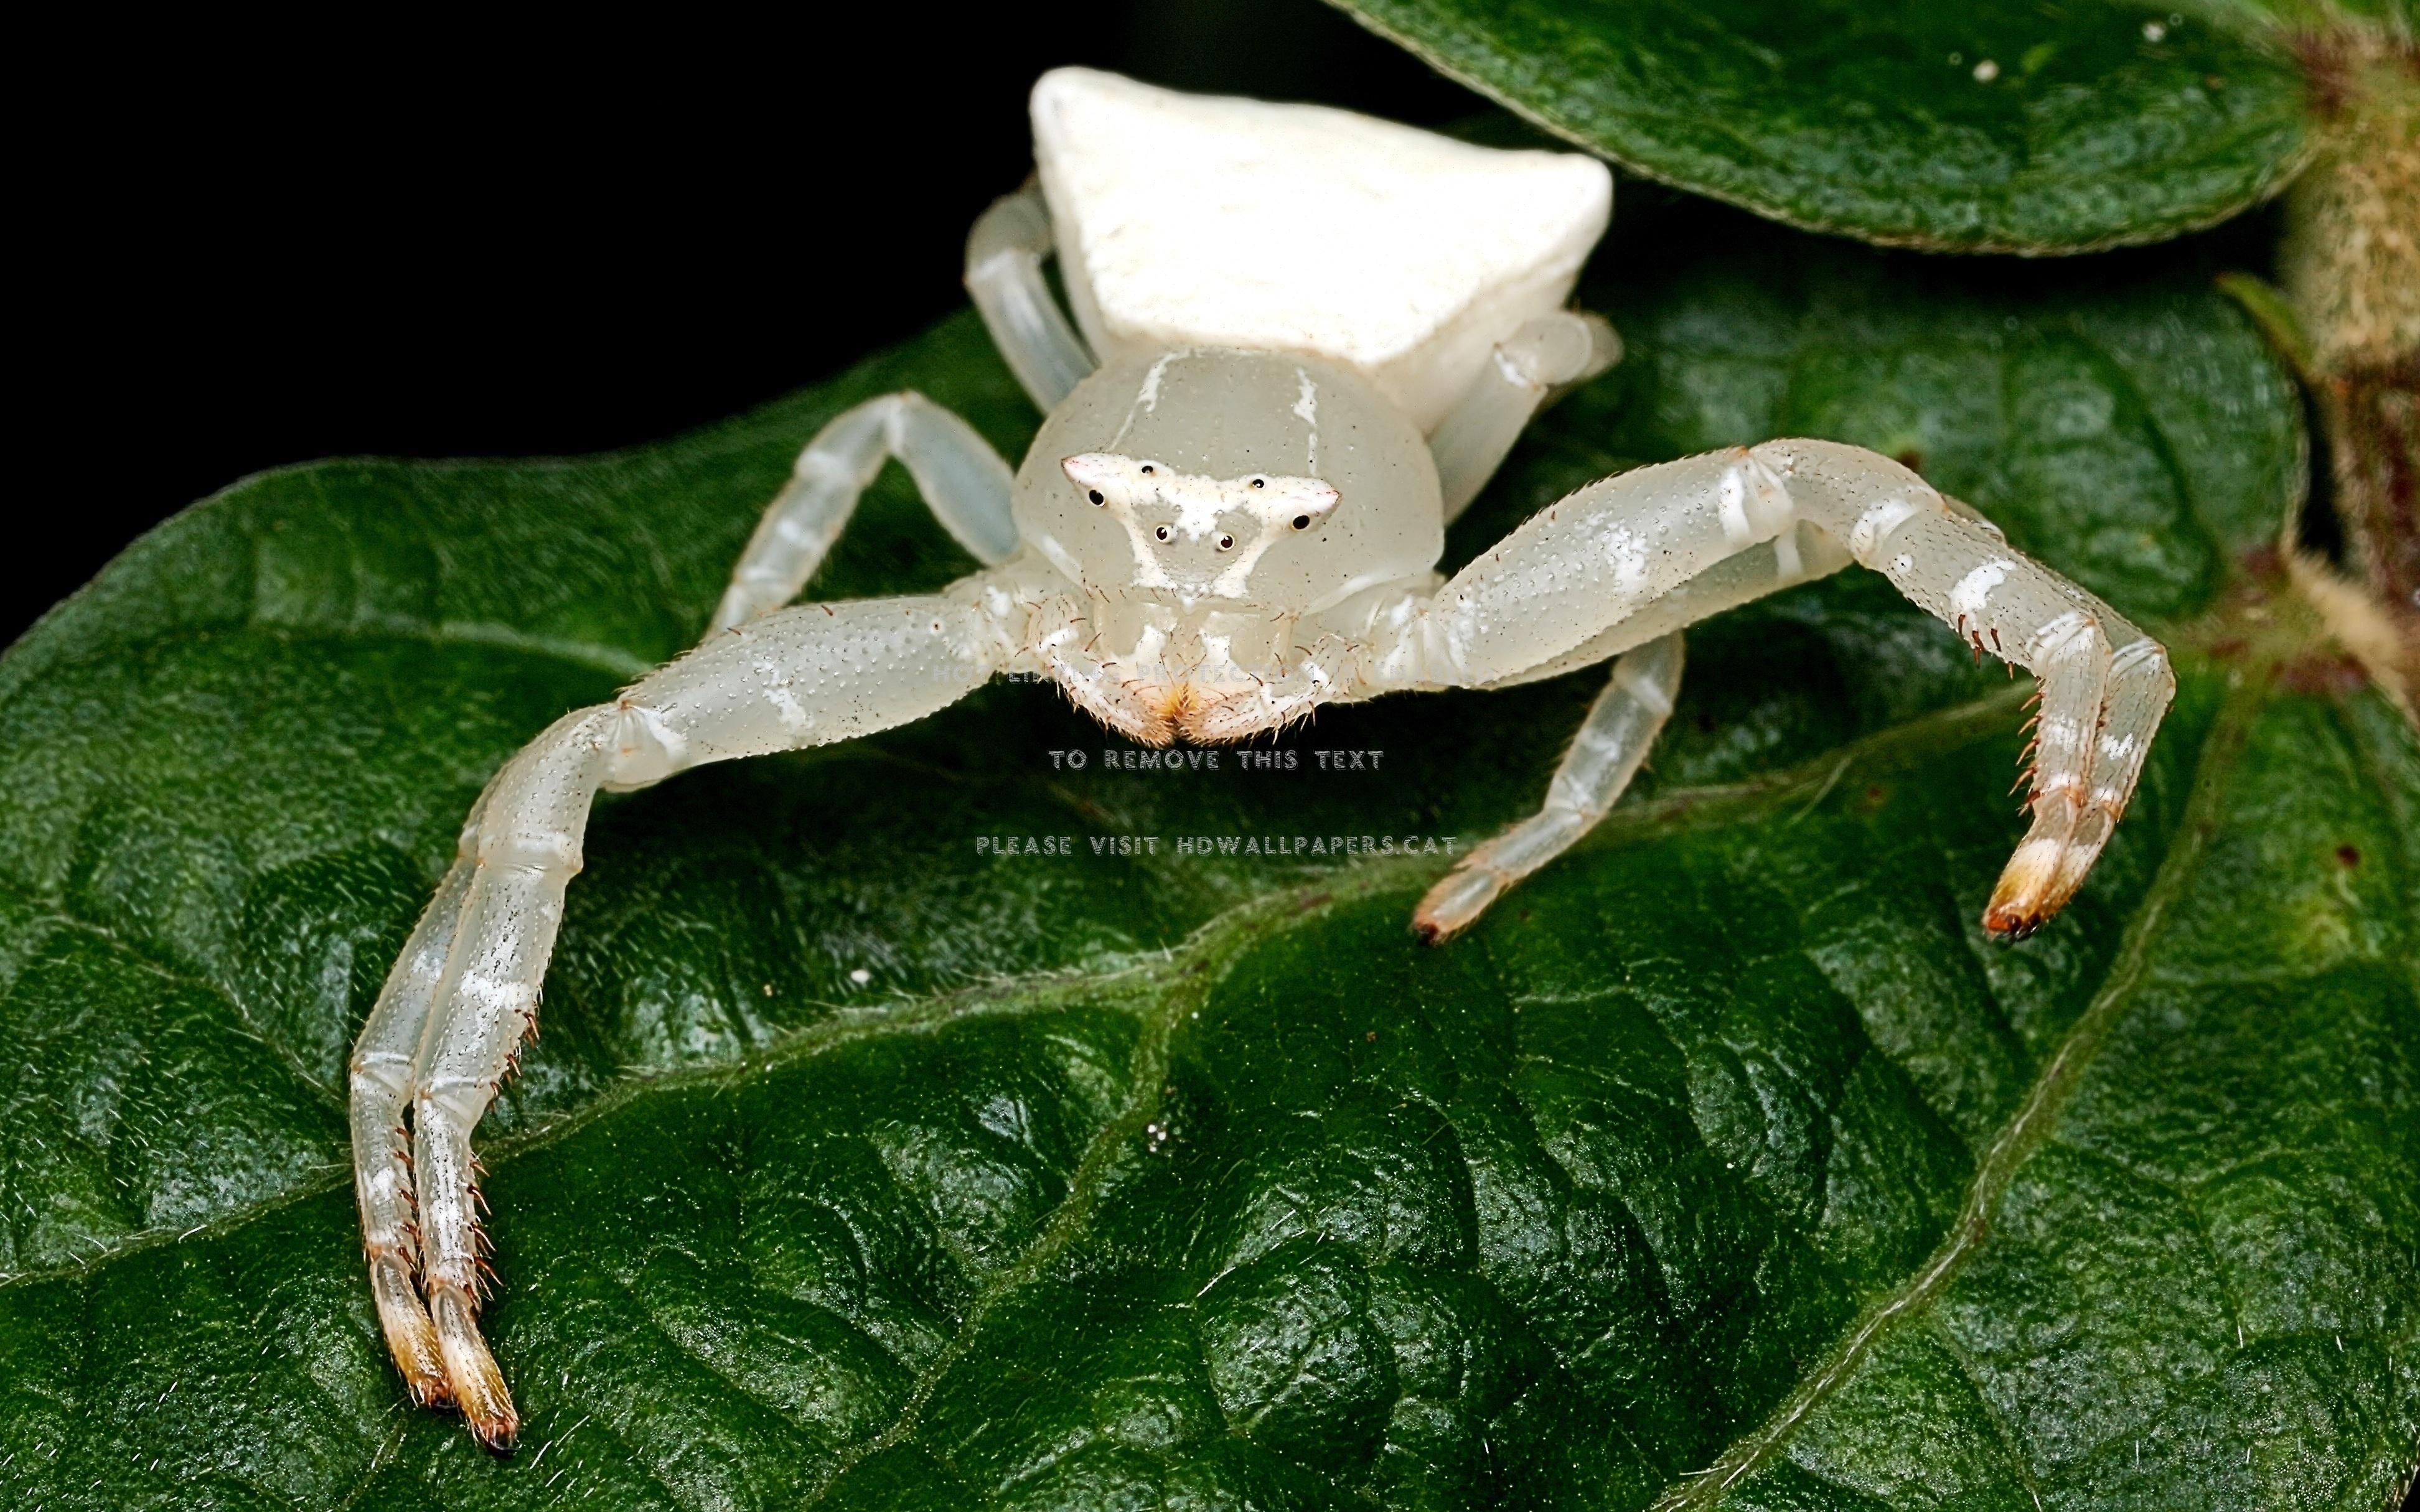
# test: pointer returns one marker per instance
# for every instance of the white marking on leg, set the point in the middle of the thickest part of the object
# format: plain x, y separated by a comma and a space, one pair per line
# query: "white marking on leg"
641, 747
1770, 507
1642, 687
2139, 653
1628, 553
1787, 568
500, 994
1966, 599
786, 707
1736, 529
1874, 526
816, 464
2069, 635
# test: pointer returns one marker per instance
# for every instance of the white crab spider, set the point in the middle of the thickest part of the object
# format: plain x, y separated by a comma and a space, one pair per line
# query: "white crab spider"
1318, 336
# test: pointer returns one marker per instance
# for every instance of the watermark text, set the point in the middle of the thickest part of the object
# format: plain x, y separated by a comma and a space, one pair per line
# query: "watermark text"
1194, 759
1218, 845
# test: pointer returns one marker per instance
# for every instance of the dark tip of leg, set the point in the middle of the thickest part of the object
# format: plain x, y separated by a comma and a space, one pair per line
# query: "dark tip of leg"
2010, 928
428, 1393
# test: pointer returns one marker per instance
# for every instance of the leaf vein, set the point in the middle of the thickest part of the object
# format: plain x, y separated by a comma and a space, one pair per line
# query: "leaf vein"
2030, 1125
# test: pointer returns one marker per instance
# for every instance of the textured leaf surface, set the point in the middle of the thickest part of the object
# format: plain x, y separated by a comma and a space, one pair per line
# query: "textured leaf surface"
2005, 125
1156, 1179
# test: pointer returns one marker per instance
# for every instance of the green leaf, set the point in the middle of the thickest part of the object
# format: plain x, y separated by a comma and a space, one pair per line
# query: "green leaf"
2031, 126
1162, 1179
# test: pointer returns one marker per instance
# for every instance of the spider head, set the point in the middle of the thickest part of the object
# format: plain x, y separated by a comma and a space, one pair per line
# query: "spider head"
1198, 535
1186, 472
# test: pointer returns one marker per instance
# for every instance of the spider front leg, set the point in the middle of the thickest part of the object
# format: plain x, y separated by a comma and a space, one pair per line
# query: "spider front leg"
1613, 564
466, 990
2105, 685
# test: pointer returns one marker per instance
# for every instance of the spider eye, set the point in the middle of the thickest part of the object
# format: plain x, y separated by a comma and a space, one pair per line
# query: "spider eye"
1095, 496
1226, 543
1146, 470
1260, 483
1161, 533
1302, 522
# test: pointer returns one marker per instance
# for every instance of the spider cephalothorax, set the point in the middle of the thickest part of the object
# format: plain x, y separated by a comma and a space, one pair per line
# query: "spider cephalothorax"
1232, 516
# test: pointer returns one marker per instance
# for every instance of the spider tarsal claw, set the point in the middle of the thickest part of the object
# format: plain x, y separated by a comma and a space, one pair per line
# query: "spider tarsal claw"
478, 1386
411, 1337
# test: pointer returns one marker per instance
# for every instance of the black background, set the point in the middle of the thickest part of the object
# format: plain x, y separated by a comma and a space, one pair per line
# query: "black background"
261, 244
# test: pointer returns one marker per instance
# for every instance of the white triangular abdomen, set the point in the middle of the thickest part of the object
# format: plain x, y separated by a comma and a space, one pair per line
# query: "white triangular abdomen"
1184, 219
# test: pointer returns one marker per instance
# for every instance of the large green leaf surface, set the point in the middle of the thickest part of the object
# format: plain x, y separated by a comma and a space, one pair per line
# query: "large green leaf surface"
2032, 126
861, 1167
